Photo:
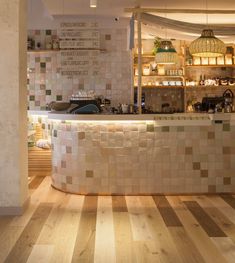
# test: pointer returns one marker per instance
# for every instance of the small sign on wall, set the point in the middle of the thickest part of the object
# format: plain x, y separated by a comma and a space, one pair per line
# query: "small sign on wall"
79, 44
76, 44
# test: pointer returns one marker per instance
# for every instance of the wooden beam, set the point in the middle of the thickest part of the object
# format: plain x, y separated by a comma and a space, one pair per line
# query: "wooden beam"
177, 11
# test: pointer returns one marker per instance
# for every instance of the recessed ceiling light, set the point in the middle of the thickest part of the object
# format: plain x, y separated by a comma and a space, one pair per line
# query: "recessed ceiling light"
93, 3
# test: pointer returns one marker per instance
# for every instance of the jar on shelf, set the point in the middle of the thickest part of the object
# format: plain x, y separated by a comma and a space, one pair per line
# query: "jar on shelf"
48, 45
229, 56
180, 72
38, 45
55, 44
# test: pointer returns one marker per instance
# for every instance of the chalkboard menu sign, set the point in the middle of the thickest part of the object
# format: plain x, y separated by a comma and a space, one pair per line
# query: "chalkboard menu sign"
79, 48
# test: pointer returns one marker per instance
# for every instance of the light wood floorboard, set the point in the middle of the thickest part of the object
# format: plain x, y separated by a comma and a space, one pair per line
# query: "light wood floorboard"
60, 227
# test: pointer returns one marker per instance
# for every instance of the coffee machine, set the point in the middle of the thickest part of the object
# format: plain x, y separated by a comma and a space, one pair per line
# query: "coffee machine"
209, 104
228, 100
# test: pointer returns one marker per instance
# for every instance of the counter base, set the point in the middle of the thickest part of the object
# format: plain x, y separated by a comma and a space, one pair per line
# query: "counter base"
140, 194
144, 158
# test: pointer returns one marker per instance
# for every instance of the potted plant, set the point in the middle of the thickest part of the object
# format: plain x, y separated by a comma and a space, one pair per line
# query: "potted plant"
157, 42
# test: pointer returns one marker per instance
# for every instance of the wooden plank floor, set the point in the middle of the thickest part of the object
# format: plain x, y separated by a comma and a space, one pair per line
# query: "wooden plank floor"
59, 227
39, 161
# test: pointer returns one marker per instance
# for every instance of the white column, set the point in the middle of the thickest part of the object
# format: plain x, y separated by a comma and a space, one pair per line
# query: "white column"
13, 106
139, 62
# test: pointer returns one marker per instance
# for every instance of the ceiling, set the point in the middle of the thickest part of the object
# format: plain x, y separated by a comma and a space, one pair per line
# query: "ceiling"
115, 8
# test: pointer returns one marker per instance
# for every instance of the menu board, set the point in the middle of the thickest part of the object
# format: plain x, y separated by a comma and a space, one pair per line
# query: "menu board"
79, 48
79, 62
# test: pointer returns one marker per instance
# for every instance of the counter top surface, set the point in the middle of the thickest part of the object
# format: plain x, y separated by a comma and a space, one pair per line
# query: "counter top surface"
176, 117
192, 119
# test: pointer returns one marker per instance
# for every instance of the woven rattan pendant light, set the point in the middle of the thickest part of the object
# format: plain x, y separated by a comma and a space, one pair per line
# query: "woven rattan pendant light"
166, 53
207, 45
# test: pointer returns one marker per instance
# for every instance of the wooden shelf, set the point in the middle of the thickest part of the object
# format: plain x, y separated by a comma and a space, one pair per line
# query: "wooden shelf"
211, 66
163, 76
43, 50
57, 50
162, 87
210, 86
186, 87
152, 56
145, 55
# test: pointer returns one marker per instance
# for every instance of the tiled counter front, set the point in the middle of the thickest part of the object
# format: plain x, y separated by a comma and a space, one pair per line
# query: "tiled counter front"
143, 157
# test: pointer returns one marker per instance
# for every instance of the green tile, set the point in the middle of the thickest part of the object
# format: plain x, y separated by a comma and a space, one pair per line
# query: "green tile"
32, 98
196, 166
108, 86
63, 164
165, 129
226, 150
48, 32
150, 128
81, 86
188, 150
227, 180
107, 37
59, 97
43, 65
48, 92
89, 174
211, 135
81, 135
204, 173
226, 127
69, 179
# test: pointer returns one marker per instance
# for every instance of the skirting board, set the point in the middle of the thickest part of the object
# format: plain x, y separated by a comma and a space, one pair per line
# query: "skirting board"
14, 210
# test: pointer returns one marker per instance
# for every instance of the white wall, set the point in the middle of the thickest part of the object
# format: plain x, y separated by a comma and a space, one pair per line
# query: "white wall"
40, 18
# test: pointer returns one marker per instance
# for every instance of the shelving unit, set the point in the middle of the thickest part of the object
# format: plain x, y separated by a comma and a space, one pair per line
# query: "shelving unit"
148, 60
211, 66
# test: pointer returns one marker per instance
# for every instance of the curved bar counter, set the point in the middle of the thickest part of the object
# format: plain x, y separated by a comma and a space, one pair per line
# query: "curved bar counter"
143, 154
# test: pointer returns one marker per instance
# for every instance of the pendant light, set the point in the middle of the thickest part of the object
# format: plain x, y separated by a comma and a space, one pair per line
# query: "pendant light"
93, 3
207, 45
166, 53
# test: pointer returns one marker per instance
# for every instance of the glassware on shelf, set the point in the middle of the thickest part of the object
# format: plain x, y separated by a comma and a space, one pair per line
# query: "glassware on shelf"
196, 61
229, 56
146, 71
204, 61
220, 60
82, 95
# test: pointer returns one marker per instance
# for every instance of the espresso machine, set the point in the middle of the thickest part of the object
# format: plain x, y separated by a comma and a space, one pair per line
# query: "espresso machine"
228, 100
84, 103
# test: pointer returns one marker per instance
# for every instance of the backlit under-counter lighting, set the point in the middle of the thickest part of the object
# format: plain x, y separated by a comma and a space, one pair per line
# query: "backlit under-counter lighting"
93, 3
